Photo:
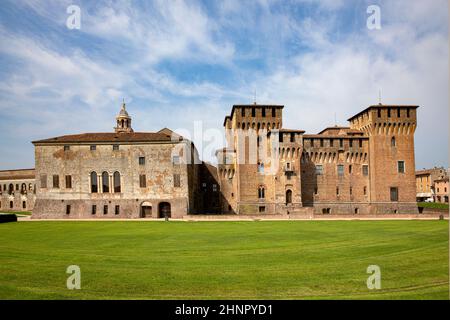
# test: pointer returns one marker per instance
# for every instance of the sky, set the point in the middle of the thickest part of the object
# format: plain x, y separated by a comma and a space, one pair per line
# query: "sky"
183, 64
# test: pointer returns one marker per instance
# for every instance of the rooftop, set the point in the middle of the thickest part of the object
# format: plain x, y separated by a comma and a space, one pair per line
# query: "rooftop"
108, 137
382, 106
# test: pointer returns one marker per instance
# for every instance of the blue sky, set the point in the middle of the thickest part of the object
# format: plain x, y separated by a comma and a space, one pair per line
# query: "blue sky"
180, 62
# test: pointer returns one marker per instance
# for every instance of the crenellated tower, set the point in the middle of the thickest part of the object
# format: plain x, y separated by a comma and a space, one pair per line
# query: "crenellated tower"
390, 129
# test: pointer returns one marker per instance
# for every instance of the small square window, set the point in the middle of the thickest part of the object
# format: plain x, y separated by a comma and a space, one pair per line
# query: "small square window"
93, 147
66, 148
141, 161
365, 170
176, 160
115, 147
319, 170
394, 194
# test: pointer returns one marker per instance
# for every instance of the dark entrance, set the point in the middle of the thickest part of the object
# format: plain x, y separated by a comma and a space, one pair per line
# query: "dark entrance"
288, 197
146, 210
164, 210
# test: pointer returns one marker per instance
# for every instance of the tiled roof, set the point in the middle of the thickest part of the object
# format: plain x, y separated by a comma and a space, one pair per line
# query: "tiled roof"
108, 137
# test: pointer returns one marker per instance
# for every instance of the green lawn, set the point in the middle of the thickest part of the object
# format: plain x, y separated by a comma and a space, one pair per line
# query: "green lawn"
224, 260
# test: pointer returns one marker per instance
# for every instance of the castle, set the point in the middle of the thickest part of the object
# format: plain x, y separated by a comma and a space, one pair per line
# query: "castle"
367, 168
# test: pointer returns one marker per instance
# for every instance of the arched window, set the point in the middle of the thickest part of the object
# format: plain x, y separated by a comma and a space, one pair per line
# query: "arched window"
393, 142
105, 182
261, 193
94, 182
11, 188
23, 188
117, 182
288, 196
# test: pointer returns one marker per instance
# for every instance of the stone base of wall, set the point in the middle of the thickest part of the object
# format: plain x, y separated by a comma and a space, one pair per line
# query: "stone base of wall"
17, 202
82, 209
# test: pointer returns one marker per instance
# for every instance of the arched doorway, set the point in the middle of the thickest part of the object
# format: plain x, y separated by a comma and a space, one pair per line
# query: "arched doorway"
288, 196
146, 210
164, 210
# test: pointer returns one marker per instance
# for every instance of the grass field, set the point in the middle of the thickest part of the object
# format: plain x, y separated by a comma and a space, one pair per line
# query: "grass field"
225, 260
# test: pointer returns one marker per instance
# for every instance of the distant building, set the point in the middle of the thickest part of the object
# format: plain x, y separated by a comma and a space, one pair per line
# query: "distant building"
17, 190
426, 183
441, 190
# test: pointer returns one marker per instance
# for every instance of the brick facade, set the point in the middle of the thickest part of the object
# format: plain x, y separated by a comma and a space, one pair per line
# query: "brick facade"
366, 168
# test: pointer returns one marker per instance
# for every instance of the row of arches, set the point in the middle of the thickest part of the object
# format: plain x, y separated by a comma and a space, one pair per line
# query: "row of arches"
227, 173
289, 153
104, 181
333, 157
23, 188
258, 126
389, 128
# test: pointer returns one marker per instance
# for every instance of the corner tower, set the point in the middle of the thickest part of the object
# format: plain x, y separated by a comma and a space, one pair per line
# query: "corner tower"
123, 121
391, 156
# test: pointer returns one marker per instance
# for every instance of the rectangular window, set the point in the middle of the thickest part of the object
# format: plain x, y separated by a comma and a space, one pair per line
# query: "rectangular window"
115, 147
93, 147
407, 113
142, 181
394, 194
68, 182
273, 112
24, 205
350, 169
319, 170
398, 113
351, 191
176, 160
379, 113
341, 143
331, 143
351, 143
262, 209
389, 112
280, 137
340, 169
365, 191
141, 161
176, 181
292, 137
117, 210
253, 112
55, 181
337, 191
360, 143
43, 181
365, 170
401, 167
243, 112
321, 143
94, 209
105, 209
66, 148
68, 209
264, 112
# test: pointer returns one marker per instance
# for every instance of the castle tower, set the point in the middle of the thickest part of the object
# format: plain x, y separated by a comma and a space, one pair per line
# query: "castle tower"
391, 156
123, 121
